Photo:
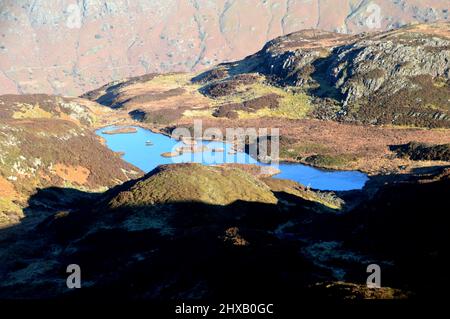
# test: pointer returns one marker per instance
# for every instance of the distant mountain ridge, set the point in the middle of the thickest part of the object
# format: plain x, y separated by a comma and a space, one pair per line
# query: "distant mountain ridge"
69, 47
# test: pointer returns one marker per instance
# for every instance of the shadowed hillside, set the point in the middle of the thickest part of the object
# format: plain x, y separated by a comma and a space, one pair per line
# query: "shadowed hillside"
186, 248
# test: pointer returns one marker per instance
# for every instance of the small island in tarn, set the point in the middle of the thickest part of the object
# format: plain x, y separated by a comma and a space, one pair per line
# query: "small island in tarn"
121, 130
170, 154
192, 149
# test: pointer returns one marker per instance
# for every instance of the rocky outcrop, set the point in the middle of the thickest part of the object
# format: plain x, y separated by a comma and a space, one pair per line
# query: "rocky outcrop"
399, 77
381, 68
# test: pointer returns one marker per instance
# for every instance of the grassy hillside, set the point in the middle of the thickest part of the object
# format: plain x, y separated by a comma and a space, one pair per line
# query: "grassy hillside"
194, 183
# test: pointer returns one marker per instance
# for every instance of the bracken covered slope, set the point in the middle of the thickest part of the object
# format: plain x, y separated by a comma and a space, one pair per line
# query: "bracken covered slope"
69, 47
48, 141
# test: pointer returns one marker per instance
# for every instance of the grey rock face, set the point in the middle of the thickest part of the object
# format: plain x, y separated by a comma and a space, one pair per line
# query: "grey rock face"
396, 77
368, 66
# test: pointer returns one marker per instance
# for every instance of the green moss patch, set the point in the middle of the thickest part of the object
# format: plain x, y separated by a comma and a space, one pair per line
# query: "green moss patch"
194, 183
330, 160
